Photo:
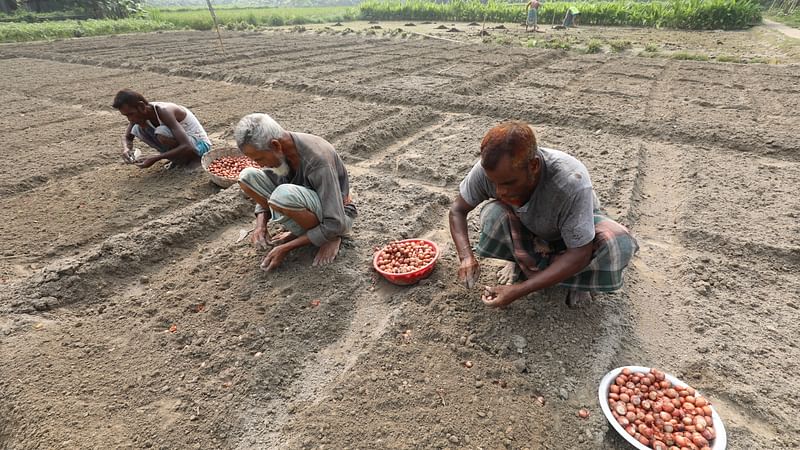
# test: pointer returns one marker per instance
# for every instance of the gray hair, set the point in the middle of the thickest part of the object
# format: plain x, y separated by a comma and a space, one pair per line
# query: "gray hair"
257, 130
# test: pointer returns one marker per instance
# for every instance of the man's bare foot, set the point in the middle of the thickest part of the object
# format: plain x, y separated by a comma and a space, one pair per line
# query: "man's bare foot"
282, 238
578, 299
508, 274
327, 252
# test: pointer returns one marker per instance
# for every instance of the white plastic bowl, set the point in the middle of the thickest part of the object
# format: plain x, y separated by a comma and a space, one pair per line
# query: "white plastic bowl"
720, 442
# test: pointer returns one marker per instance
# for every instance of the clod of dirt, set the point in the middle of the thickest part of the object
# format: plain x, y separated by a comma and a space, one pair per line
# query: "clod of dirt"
454, 30
473, 24
441, 27
426, 23
519, 342
337, 24
372, 22
484, 33
500, 27
376, 27
409, 25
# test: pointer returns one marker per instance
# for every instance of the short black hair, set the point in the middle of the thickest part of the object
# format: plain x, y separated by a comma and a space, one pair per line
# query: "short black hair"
127, 97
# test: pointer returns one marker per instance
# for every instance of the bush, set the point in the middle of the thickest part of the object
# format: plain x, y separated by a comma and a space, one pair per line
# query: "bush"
686, 14
200, 19
19, 32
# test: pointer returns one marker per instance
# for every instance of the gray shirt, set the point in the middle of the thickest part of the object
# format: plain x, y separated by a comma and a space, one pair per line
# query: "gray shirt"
562, 205
321, 170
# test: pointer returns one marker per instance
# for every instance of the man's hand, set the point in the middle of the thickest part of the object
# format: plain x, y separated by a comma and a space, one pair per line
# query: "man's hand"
259, 238
147, 162
499, 296
274, 258
127, 156
469, 271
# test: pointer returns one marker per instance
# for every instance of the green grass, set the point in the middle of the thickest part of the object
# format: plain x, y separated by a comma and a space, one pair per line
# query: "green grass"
651, 48
689, 56
793, 20
619, 45
200, 19
684, 14
594, 46
559, 44
729, 58
20, 32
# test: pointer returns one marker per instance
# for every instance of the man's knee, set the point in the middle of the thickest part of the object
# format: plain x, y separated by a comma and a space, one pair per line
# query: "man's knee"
290, 196
492, 214
250, 176
166, 142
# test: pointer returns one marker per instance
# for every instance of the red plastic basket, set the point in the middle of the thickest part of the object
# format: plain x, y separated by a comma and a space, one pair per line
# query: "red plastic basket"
404, 279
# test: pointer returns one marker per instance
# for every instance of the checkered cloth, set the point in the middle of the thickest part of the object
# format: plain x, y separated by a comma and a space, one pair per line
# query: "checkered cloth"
504, 237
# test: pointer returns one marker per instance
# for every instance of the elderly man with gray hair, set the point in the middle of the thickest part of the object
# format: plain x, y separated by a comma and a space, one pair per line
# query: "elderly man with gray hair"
302, 185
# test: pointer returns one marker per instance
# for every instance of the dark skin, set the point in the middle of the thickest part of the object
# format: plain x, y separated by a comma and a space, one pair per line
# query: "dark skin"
286, 242
515, 179
181, 148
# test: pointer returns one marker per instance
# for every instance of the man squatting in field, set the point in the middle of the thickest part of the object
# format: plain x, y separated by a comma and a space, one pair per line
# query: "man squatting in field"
302, 185
169, 128
542, 217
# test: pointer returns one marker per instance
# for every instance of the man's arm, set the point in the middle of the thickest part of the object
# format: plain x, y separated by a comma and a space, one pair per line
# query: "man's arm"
325, 183
563, 266
469, 270
261, 233
577, 231
127, 144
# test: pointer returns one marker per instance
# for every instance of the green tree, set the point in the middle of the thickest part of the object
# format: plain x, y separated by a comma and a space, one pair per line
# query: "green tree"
98, 9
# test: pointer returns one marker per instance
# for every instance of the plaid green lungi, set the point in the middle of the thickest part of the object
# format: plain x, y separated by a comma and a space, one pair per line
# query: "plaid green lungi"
504, 237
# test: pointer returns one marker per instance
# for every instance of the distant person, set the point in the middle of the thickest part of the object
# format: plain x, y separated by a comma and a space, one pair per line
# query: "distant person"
542, 217
533, 15
169, 128
302, 186
572, 16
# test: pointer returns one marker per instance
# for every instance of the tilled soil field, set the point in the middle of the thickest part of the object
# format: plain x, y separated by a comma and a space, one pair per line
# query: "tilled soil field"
130, 316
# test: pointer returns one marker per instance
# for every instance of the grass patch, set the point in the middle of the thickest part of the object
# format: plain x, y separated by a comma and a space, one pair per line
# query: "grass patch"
21, 32
559, 44
619, 45
686, 56
760, 60
594, 46
200, 19
728, 59
651, 48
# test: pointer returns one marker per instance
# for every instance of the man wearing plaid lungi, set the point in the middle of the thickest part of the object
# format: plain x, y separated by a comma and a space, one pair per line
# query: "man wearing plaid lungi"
542, 216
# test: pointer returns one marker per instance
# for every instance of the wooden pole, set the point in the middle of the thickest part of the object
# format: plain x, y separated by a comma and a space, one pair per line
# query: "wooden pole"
216, 25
